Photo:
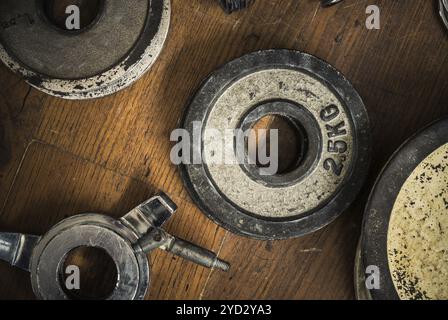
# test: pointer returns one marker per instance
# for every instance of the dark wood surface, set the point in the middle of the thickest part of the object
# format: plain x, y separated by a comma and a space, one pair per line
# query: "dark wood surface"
59, 158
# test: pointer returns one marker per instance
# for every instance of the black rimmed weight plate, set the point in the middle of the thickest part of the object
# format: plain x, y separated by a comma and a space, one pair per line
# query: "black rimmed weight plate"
316, 99
114, 50
406, 220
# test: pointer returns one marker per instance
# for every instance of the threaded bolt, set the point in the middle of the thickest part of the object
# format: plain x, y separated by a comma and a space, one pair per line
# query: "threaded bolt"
230, 6
221, 265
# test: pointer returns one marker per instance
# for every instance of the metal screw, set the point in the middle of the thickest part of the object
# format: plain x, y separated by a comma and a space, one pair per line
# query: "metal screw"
230, 6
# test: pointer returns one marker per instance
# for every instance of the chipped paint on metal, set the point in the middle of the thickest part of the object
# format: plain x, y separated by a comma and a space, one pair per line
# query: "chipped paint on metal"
265, 200
119, 77
417, 235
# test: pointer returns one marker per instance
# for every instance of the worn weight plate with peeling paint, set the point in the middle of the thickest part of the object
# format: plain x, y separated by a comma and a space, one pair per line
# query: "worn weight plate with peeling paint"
332, 144
405, 230
121, 42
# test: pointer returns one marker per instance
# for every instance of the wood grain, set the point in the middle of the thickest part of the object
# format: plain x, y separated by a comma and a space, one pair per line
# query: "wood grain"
59, 158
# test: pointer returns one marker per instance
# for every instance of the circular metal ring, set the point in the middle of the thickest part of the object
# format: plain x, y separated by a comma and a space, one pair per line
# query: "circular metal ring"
381, 207
302, 88
96, 231
118, 48
309, 132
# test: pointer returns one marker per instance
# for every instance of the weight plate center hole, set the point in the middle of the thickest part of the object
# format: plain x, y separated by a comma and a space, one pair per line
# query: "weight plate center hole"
72, 16
291, 140
88, 273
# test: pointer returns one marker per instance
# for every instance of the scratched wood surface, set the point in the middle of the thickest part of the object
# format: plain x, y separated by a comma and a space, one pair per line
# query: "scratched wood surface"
59, 158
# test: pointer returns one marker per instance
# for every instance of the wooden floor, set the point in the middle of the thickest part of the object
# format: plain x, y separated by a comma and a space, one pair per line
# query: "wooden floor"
59, 158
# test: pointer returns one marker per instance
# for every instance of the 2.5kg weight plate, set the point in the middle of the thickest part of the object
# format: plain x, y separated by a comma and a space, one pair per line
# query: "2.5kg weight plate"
334, 138
115, 49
